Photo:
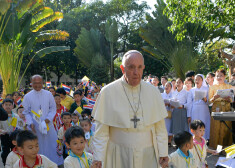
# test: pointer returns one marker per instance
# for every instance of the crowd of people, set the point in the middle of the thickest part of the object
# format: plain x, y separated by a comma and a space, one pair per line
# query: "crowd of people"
48, 127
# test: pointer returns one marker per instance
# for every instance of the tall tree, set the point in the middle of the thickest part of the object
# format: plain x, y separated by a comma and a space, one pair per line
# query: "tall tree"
23, 24
212, 14
179, 55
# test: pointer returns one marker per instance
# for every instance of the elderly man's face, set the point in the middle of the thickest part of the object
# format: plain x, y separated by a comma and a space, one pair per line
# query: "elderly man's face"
133, 69
37, 83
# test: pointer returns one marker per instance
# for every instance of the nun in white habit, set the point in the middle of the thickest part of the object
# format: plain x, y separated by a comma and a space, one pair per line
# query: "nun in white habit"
198, 109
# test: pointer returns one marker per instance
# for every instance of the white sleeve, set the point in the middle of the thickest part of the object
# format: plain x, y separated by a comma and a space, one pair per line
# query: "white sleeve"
48, 162
162, 138
9, 161
100, 141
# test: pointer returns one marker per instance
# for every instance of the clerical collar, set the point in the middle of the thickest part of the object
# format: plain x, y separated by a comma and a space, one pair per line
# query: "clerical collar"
40, 91
124, 82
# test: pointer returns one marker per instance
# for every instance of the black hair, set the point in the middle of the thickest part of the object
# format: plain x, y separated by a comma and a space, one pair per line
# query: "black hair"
189, 74
233, 74
51, 88
61, 91
25, 135
7, 100
15, 93
75, 114
211, 74
26, 91
57, 95
165, 77
19, 108
173, 80
85, 120
66, 114
14, 134
195, 124
74, 132
182, 138
9, 95
156, 77
77, 92
86, 111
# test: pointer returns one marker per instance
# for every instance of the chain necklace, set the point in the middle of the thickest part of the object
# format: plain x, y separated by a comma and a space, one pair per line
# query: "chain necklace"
134, 119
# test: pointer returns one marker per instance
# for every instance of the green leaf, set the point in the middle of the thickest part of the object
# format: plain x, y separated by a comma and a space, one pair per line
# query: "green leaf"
41, 53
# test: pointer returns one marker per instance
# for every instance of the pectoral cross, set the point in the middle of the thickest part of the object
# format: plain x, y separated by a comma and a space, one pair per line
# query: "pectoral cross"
135, 120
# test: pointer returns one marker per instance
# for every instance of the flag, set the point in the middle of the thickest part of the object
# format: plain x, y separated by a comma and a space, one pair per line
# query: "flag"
88, 107
87, 84
19, 101
1, 99
66, 88
48, 84
230, 151
78, 110
91, 102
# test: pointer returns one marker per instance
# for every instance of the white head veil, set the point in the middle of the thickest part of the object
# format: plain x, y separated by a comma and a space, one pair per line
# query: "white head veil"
172, 90
203, 79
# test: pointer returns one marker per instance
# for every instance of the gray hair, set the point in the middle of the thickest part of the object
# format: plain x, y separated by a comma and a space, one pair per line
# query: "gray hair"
128, 54
37, 76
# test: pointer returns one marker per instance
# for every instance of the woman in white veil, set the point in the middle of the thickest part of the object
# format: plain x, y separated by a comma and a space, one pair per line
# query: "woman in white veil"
198, 108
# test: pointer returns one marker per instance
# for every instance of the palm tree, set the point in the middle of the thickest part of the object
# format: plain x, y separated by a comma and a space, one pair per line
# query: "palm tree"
21, 27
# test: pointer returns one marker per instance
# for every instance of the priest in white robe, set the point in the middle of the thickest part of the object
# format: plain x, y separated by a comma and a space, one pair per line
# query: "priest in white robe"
129, 113
41, 102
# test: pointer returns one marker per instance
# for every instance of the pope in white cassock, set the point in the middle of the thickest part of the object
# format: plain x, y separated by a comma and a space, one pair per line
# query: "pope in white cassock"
130, 126
39, 110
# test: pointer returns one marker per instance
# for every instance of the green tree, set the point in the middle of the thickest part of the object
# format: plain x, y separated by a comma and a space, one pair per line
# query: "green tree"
23, 24
99, 69
212, 14
111, 34
178, 56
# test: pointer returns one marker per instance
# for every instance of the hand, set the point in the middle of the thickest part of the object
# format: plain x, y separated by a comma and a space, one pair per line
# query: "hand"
47, 121
172, 107
9, 115
189, 120
33, 128
214, 152
216, 97
204, 99
167, 104
228, 98
164, 161
181, 107
96, 164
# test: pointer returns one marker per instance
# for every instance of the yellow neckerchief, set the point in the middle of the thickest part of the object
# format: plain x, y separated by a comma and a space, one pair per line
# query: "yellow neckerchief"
85, 164
187, 161
201, 151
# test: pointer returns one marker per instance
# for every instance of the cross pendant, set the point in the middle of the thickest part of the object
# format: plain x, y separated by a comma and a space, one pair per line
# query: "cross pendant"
135, 120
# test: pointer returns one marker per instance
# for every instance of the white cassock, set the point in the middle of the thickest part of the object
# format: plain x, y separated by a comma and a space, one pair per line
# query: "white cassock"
36, 100
116, 142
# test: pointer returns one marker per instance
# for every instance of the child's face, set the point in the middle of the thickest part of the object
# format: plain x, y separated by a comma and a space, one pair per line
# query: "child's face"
66, 120
15, 96
77, 98
30, 148
7, 106
77, 145
75, 119
57, 99
86, 126
199, 132
20, 113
